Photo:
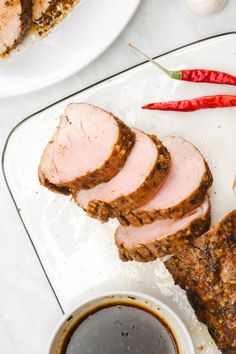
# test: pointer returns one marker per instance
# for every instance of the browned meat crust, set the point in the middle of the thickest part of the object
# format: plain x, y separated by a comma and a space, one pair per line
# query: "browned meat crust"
141, 217
25, 21
52, 187
53, 13
110, 168
168, 245
103, 211
37, 5
26, 17
207, 271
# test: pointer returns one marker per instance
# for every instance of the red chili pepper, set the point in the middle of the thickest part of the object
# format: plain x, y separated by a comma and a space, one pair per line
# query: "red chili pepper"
218, 101
195, 75
210, 76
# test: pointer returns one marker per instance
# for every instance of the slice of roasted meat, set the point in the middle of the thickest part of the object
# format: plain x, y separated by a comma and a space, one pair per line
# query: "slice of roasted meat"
184, 189
136, 183
15, 18
162, 237
89, 147
40, 7
207, 271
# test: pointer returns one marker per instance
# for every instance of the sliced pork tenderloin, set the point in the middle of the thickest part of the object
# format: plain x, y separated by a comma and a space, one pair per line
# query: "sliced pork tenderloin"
142, 175
184, 189
206, 270
89, 147
40, 7
15, 19
162, 237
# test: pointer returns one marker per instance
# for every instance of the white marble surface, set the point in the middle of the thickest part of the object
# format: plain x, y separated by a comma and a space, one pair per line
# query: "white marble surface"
28, 309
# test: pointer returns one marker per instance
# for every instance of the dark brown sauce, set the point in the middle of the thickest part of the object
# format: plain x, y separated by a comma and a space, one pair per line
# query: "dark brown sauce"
120, 328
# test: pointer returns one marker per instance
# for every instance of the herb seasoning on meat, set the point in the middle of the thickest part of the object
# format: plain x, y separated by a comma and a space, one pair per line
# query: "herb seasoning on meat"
47, 14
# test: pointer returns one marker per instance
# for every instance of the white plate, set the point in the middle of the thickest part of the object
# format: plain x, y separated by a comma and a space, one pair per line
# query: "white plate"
80, 38
78, 253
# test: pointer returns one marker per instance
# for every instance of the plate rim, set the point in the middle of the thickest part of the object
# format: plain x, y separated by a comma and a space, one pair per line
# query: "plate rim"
221, 35
69, 73
225, 34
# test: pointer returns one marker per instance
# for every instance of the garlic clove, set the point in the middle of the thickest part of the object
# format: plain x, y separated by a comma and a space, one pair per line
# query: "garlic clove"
205, 7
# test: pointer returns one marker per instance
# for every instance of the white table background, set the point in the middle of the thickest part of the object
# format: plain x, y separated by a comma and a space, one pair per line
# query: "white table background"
28, 308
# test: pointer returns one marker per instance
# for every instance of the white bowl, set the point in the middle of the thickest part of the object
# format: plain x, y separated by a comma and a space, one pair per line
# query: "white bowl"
180, 332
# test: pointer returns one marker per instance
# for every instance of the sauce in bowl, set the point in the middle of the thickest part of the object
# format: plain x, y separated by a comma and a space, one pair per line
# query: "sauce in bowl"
120, 328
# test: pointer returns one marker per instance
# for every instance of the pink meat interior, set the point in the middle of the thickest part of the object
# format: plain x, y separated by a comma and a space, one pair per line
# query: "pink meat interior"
136, 169
158, 229
10, 28
185, 175
83, 142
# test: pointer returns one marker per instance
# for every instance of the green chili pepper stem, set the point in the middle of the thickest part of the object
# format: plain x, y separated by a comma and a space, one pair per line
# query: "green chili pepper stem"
177, 75
172, 74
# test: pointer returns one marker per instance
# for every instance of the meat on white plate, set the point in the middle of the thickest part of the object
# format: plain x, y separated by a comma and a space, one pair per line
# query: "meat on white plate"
162, 237
184, 189
142, 175
89, 147
15, 19
206, 270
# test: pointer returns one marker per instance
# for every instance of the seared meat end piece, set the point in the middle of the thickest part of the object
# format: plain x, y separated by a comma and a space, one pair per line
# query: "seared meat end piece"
137, 182
162, 237
184, 189
89, 147
207, 271
15, 19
